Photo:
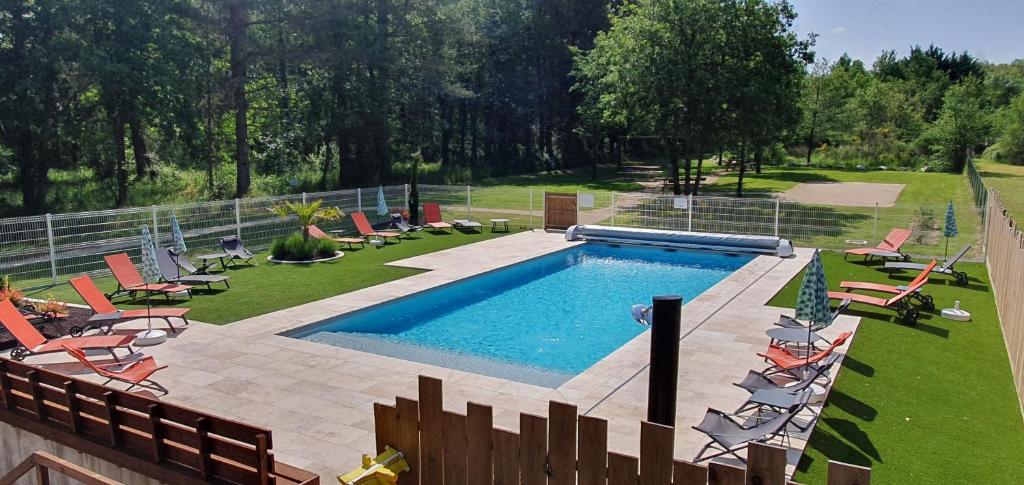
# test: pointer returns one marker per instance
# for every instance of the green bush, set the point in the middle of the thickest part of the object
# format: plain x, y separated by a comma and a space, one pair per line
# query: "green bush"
295, 248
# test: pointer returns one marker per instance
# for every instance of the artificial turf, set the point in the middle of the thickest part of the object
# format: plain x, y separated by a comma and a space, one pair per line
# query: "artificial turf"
931, 403
266, 287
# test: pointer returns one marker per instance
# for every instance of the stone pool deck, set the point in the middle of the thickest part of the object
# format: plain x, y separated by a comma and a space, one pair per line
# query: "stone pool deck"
318, 399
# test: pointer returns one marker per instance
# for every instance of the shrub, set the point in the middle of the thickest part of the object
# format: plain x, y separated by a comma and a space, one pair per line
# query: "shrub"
296, 248
9, 292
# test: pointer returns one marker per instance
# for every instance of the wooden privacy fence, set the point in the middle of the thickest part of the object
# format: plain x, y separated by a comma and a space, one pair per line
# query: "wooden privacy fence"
1005, 251
450, 448
167, 442
559, 210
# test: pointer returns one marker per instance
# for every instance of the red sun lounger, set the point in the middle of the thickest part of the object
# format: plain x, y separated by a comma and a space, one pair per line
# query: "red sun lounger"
898, 303
106, 314
31, 342
320, 234
926, 300
366, 230
432, 217
130, 282
783, 360
888, 248
136, 372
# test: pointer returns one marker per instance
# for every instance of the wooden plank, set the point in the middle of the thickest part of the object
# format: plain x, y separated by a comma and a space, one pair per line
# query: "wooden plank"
156, 430
205, 462
479, 421
262, 468
431, 439
562, 443
722, 474
533, 449
506, 457
110, 404
384, 422
846, 474
766, 465
38, 404
592, 445
656, 449
71, 401
407, 438
622, 469
5, 386
454, 448
686, 473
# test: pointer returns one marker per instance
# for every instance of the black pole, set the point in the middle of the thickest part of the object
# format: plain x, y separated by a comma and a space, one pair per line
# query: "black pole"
661, 394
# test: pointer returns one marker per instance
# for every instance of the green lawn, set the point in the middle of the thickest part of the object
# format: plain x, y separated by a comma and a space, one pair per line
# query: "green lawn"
268, 287
933, 403
1008, 180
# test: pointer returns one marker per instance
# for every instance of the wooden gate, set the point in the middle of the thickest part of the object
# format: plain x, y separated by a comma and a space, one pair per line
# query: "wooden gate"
559, 210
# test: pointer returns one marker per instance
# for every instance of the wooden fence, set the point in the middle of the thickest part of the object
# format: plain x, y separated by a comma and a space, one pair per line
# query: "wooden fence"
167, 442
1005, 251
450, 448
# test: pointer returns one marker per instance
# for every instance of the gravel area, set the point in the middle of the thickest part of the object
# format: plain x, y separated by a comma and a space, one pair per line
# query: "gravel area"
852, 194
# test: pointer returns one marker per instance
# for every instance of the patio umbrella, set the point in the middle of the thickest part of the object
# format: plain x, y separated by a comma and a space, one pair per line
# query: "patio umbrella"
382, 205
150, 274
812, 301
179, 238
950, 230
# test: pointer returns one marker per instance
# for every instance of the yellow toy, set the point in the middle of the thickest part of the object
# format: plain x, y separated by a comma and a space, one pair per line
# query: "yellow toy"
382, 470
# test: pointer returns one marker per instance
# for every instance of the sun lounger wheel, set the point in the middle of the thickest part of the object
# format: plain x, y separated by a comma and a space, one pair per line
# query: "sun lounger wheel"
910, 317
961, 278
928, 303
18, 354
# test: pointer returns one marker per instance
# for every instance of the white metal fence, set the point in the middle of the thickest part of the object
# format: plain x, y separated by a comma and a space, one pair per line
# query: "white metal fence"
41, 250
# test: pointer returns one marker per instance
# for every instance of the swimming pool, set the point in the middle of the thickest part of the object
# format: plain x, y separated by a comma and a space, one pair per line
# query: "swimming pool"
541, 321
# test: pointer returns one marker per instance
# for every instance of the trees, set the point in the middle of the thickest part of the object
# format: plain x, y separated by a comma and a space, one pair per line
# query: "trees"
961, 125
696, 74
1010, 144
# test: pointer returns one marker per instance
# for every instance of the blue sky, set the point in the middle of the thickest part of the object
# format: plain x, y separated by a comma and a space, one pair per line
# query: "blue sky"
990, 29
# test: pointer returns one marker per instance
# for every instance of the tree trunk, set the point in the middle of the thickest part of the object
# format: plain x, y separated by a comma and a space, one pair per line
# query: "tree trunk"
414, 193
382, 135
743, 170
810, 146
700, 169
328, 162
758, 158
446, 130
238, 32
346, 170
120, 160
463, 122
143, 164
674, 164
687, 168
209, 133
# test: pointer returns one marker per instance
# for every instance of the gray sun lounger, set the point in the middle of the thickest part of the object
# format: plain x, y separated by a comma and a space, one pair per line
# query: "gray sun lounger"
171, 274
946, 268
233, 247
756, 381
730, 436
787, 321
403, 225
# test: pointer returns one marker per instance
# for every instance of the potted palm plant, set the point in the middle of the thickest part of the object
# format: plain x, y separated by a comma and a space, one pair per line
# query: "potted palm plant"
300, 247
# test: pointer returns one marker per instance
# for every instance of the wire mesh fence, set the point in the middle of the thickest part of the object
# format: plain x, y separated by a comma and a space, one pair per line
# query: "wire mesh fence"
41, 250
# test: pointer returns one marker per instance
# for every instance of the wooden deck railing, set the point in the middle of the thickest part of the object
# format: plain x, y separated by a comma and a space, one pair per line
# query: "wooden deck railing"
43, 463
450, 448
1005, 252
164, 441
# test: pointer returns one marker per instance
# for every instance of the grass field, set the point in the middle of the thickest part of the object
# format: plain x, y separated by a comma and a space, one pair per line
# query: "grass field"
933, 403
1008, 180
266, 287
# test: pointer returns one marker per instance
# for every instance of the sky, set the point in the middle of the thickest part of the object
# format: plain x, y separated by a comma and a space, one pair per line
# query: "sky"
989, 29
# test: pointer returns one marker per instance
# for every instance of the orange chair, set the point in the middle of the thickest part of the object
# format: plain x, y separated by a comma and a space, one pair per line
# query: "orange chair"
34, 343
927, 302
320, 234
783, 360
130, 281
136, 372
106, 314
889, 247
366, 230
898, 303
432, 217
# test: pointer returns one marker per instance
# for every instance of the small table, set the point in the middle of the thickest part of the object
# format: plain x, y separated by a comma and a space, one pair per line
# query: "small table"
210, 259
797, 335
496, 222
468, 224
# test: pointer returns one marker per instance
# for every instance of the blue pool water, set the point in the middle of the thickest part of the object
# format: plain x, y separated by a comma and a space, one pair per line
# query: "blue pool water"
541, 321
